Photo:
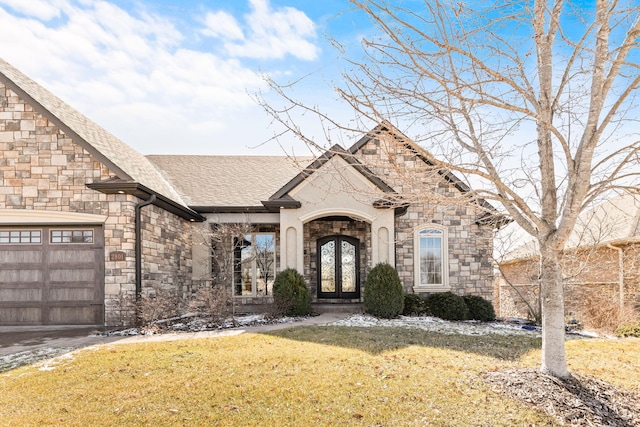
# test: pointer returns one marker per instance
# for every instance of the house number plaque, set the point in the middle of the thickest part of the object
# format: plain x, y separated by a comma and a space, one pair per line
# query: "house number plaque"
117, 256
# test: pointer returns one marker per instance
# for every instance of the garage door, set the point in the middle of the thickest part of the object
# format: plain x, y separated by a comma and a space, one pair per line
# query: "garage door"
52, 275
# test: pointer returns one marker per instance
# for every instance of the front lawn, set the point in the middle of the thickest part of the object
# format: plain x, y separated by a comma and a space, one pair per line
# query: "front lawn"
296, 377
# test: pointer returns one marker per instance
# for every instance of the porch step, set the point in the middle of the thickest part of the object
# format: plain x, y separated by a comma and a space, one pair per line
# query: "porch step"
355, 308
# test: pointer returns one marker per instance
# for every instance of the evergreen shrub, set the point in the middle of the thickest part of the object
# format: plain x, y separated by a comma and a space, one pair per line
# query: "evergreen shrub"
383, 295
291, 295
447, 306
414, 305
479, 308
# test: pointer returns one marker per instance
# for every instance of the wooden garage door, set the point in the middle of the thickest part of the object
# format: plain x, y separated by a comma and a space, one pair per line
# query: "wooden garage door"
51, 275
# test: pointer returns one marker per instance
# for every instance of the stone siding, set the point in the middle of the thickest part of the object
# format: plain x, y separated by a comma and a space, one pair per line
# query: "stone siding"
41, 168
433, 200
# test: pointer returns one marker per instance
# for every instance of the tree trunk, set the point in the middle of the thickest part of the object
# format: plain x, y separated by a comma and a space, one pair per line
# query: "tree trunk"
554, 360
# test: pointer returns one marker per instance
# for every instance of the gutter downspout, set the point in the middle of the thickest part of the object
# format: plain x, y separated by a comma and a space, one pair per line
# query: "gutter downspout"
620, 274
139, 207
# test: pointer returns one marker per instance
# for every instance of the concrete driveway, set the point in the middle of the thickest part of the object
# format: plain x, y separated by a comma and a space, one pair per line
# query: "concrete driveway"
16, 339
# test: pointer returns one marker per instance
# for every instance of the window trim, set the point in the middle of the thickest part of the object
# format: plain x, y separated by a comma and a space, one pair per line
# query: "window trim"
22, 230
254, 267
444, 286
62, 230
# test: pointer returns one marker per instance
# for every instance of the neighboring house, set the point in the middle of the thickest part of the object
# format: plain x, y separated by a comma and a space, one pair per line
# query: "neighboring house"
86, 223
601, 264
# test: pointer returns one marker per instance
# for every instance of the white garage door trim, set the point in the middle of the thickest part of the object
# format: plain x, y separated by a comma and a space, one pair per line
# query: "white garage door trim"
33, 216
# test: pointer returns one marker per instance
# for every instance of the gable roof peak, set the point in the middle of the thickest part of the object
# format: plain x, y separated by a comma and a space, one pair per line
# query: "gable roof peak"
121, 159
282, 197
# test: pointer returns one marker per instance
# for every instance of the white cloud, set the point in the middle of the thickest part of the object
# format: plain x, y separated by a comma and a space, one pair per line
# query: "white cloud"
270, 33
221, 24
132, 74
40, 9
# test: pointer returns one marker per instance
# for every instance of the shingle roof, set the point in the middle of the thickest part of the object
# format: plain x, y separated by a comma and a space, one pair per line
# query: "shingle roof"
615, 221
228, 181
121, 159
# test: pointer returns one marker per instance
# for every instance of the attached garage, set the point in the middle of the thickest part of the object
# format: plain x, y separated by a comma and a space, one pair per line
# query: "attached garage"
52, 275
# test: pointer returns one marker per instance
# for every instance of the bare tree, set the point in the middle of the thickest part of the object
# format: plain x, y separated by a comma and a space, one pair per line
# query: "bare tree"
265, 263
221, 242
531, 102
593, 267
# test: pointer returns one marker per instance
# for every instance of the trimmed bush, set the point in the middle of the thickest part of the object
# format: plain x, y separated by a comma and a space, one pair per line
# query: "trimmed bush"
631, 329
414, 305
290, 294
479, 308
447, 306
383, 296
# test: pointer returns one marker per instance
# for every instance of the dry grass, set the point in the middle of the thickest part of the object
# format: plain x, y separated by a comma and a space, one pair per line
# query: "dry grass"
301, 376
603, 314
614, 361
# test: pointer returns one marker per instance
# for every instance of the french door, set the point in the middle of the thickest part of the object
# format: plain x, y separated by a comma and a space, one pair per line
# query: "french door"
338, 266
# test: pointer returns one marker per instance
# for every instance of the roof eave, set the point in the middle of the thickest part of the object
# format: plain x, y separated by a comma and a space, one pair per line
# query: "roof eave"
494, 219
282, 203
144, 193
208, 209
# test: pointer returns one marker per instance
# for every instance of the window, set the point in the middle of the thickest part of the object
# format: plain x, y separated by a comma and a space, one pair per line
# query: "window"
254, 264
20, 236
430, 259
71, 236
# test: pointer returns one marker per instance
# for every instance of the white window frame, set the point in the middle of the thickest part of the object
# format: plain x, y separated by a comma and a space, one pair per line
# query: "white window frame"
439, 287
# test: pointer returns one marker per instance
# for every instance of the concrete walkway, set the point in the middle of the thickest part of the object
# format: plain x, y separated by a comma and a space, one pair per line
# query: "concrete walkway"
17, 339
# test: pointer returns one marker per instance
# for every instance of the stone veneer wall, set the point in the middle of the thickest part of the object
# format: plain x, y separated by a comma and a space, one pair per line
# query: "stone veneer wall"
319, 228
433, 201
41, 168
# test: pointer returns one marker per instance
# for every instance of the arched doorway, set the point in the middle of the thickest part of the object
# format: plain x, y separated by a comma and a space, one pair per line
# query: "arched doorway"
338, 265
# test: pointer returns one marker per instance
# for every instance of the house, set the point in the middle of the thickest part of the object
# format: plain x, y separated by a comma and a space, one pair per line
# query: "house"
87, 224
601, 265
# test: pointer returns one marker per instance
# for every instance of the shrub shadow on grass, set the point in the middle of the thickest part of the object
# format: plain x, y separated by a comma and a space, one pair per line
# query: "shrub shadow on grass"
377, 340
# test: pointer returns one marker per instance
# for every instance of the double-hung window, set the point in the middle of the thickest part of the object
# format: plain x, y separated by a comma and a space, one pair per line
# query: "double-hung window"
430, 259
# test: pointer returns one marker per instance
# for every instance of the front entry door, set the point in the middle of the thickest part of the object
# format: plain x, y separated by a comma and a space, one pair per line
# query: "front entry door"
338, 267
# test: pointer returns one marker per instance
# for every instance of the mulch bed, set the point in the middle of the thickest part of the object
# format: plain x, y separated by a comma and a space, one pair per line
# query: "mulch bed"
577, 401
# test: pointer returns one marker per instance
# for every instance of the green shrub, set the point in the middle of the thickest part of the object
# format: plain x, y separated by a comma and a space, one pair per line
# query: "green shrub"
290, 294
383, 296
414, 305
630, 329
479, 308
447, 306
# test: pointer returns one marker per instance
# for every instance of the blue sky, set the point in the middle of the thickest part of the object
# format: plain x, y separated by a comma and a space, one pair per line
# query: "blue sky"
173, 76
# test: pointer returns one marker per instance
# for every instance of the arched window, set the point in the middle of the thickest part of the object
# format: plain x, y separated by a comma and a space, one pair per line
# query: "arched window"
430, 259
